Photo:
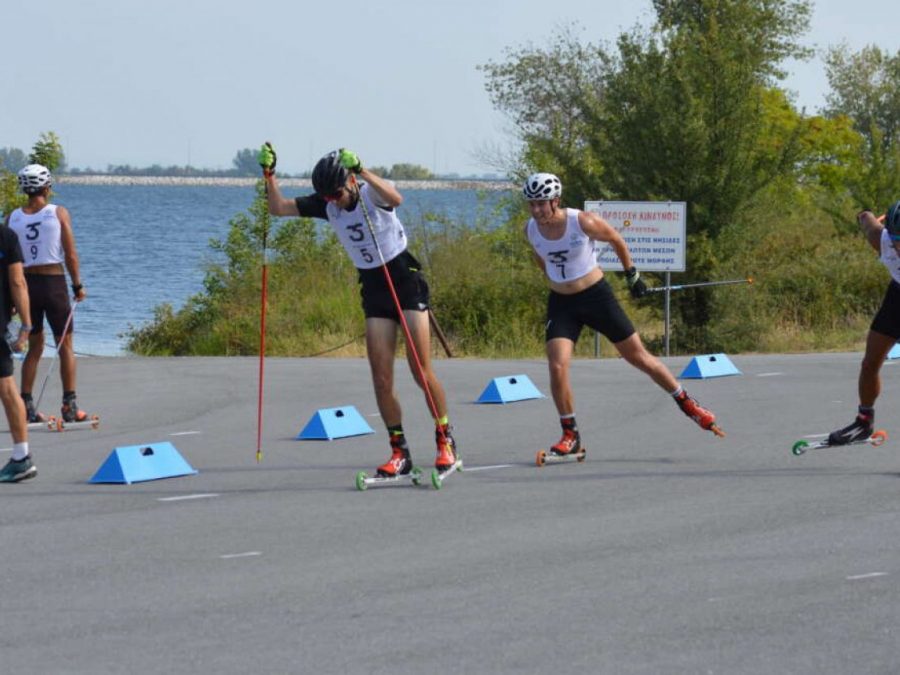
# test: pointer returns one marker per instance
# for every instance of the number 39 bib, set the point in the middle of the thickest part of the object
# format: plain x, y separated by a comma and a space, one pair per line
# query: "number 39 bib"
39, 235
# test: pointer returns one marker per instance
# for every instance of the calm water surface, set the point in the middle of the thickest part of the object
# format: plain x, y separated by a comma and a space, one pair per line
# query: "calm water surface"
141, 246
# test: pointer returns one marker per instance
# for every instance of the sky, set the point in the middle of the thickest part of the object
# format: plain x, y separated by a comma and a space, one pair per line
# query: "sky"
177, 82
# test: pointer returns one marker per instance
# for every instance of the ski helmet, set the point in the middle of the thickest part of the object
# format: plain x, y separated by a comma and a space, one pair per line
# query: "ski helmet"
542, 186
892, 221
34, 178
329, 175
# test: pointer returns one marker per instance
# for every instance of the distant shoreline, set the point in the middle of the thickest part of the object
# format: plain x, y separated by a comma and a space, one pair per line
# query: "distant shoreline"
223, 181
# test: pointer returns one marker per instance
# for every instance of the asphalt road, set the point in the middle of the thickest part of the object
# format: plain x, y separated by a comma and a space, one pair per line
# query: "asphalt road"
667, 551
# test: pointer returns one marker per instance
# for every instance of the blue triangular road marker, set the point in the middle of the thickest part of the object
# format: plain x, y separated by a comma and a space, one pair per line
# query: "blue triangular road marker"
330, 423
709, 365
136, 463
508, 389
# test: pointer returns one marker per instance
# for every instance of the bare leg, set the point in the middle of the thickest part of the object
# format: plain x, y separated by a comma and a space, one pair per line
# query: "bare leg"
32, 359
877, 347
67, 363
420, 331
633, 350
381, 346
15, 409
559, 356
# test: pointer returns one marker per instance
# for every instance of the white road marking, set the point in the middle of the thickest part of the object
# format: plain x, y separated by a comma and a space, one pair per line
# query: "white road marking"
186, 497
247, 554
870, 575
467, 469
769, 374
185, 433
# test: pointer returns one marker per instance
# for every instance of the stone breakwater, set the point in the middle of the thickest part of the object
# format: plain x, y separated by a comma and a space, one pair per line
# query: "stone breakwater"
286, 182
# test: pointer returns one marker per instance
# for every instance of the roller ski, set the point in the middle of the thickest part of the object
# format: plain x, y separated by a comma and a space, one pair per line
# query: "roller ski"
33, 418
860, 432
447, 460
703, 417
364, 480
568, 449
72, 417
398, 469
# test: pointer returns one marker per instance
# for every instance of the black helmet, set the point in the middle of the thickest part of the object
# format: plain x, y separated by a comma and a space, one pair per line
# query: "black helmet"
892, 221
329, 175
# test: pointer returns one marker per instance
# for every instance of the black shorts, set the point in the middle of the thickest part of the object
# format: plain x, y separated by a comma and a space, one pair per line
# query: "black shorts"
595, 306
410, 285
887, 321
48, 296
6, 362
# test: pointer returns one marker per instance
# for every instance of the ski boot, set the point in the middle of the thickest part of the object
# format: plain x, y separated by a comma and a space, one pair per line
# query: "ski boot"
32, 416
71, 412
446, 449
400, 462
705, 418
860, 430
569, 444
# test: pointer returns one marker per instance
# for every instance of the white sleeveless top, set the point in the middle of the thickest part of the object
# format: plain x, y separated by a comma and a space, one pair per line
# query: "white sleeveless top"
39, 235
354, 234
567, 258
889, 257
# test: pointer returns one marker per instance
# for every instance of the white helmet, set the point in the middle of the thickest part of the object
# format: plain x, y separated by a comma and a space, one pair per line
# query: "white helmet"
33, 178
542, 186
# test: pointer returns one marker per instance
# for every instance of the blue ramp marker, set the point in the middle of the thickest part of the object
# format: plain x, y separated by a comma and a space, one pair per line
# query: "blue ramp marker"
330, 423
895, 352
136, 463
709, 365
508, 389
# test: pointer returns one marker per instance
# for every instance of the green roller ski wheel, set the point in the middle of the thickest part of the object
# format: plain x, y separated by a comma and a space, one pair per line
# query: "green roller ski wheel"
799, 448
416, 475
436, 479
361, 481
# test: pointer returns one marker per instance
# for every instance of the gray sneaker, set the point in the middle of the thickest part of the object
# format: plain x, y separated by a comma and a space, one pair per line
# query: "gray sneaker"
17, 470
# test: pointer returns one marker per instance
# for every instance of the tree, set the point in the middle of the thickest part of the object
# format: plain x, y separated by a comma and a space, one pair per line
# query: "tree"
405, 171
245, 163
687, 110
865, 88
49, 151
12, 159
535, 87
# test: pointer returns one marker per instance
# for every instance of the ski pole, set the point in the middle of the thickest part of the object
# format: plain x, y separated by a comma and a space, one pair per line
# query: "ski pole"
264, 292
681, 287
62, 337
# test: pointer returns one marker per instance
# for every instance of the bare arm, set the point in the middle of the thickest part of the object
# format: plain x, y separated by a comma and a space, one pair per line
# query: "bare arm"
18, 291
70, 252
388, 195
871, 228
538, 260
599, 230
279, 205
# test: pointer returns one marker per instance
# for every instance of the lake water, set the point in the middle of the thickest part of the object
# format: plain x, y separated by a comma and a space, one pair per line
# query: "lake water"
144, 245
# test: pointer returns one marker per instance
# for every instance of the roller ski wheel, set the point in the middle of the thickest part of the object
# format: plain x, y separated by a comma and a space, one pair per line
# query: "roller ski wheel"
438, 477
91, 422
801, 447
47, 423
364, 480
550, 457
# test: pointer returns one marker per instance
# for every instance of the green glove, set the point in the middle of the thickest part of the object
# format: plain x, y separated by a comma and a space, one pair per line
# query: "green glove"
350, 161
267, 159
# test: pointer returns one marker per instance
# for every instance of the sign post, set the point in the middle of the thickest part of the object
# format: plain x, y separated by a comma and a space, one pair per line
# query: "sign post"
656, 235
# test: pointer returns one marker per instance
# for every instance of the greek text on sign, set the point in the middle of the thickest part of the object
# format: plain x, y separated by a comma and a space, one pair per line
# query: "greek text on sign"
655, 233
